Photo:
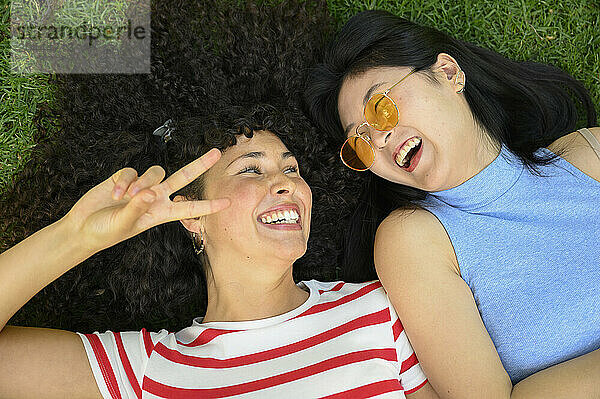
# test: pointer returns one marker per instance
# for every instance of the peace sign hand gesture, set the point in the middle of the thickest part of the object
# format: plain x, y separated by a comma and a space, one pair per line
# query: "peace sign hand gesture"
125, 205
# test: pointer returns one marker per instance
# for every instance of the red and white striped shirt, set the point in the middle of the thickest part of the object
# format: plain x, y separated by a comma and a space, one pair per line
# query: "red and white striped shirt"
345, 341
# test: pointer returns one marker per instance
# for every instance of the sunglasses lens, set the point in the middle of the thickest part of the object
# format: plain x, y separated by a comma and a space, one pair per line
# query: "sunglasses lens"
381, 113
357, 153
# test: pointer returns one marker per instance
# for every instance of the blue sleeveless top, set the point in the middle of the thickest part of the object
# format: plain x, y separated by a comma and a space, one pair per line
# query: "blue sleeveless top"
529, 249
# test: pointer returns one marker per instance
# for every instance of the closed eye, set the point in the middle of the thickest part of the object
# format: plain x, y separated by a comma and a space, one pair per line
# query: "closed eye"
291, 169
251, 169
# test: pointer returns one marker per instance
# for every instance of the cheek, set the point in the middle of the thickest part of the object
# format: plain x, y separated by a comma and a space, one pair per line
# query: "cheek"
245, 199
384, 171
305, 194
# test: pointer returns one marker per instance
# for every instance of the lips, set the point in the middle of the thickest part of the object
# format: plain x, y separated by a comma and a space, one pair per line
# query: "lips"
281, 217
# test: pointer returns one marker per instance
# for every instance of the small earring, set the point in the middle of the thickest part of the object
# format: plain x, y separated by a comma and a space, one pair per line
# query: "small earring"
198, 251
456, 82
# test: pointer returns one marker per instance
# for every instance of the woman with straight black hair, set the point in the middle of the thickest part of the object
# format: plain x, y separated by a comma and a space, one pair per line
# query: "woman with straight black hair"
482, 208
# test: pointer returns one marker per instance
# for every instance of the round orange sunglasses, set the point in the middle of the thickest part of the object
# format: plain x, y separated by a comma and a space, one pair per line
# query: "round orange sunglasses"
381, 113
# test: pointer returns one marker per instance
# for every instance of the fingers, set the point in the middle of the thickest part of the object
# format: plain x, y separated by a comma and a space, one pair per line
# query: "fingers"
154, 175
194, 209
122, 179
127, 182
191, 171
135, 208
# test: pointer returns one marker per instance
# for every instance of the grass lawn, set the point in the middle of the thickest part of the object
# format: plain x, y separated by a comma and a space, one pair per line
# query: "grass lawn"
560, 32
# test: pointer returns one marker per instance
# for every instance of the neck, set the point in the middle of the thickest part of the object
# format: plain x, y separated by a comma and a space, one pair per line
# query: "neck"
486, 150
250, 290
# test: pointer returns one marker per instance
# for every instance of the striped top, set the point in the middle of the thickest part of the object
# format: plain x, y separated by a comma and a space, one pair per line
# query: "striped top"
344, 341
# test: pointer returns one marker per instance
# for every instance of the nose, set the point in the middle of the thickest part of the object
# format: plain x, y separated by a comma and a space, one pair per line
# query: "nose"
283, 185
379, 138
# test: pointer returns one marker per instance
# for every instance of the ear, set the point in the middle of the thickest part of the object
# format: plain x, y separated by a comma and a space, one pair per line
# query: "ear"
447, 64
193, 225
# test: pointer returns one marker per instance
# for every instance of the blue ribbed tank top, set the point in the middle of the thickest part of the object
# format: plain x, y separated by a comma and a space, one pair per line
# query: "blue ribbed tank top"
529, 249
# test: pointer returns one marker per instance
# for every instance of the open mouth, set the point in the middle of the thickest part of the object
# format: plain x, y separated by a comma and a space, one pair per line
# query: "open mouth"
409, 154
281, 218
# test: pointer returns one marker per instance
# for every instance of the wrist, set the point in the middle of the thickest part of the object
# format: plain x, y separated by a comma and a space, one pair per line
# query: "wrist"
37, 261
70, 234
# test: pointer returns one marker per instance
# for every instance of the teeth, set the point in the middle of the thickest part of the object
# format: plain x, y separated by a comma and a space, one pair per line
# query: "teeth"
402, 154
410, 144
279, 217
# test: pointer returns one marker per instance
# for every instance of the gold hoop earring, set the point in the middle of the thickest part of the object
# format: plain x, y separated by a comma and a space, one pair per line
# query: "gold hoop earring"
198, 251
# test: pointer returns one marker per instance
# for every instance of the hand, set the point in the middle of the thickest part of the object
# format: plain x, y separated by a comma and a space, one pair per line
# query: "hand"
124, 205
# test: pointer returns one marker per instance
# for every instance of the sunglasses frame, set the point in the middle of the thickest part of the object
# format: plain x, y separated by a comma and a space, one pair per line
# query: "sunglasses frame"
361, 136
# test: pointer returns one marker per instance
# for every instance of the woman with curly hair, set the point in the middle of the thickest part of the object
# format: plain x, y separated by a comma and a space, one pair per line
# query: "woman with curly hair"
262, 334
231, 82
215, 69
482, 206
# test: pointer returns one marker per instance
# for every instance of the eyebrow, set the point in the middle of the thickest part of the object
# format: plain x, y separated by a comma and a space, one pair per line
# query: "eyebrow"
260, 154
370, 92
365, 99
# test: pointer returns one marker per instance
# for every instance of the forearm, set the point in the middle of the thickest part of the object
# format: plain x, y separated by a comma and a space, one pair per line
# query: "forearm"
576, 378
34, 263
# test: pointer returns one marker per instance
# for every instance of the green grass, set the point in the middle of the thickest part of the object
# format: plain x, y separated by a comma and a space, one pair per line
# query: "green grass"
563, 33
20, 97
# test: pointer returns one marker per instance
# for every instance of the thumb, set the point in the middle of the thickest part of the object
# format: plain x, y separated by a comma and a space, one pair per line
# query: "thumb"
136, 207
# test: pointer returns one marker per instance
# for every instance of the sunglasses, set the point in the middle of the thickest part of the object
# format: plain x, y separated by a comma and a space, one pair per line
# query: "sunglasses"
381, 113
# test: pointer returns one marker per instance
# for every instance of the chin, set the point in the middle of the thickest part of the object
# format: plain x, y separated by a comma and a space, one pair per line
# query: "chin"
290, 251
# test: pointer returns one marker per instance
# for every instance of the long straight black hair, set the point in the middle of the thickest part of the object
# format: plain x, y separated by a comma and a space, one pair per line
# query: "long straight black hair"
524, 105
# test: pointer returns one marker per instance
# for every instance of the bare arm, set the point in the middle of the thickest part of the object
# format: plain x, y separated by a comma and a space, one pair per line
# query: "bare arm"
40, 362
427, 392
44, 363
417, 266
47, 363
34, 263
576, 378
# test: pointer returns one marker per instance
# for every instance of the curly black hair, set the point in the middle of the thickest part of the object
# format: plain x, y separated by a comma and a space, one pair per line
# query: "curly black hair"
217, 70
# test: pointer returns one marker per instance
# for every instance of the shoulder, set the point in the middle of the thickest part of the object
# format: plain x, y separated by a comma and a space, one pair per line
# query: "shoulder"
574, 141
401, 221
576, 150
413, 237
